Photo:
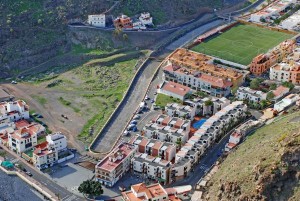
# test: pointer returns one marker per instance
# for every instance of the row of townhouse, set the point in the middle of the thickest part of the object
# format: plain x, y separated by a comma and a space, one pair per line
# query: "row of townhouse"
196, 80
158, 160
151, 167
262, 62
288, 70
182, 111
200, 107
208, 105
155, 148
213, 129
167, 129
194, 62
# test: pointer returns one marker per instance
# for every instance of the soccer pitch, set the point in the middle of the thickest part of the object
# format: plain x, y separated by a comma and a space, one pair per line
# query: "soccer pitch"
241, 43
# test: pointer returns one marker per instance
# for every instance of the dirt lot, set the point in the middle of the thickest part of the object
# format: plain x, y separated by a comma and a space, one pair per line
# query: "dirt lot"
51, 110
85, 95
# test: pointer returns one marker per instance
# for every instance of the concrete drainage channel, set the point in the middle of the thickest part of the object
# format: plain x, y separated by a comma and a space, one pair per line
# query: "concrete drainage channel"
135, 78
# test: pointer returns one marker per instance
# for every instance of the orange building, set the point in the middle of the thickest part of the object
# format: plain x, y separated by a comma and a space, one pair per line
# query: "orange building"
204, 64
123, 22
263, 62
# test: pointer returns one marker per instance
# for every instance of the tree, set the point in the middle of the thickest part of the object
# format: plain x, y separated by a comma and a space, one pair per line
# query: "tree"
125, 37
288, 85
90, 188
264, 103
234, 89
273, 86
254, 84
178, 142
208, 102
270, 95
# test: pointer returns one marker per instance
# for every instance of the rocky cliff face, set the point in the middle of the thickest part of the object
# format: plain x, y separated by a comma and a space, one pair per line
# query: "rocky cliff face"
273, 178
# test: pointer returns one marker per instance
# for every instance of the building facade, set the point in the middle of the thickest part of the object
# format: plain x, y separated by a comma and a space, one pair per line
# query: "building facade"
109, 170
254, 96
97, 20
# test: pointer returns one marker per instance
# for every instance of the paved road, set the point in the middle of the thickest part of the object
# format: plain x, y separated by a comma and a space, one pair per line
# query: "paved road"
210, 157
64, 194
194, 34
135, 96
131, 103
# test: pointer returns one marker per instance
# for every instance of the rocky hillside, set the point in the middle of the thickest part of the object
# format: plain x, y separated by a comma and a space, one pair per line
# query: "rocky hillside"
265, 167
33, 32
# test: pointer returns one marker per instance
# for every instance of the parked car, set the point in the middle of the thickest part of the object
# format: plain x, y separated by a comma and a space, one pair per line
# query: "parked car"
155, 93
28, 173
136, 117
152, 101
147, 97
39, 116
134, 122
126, 132
14, 82
130, 127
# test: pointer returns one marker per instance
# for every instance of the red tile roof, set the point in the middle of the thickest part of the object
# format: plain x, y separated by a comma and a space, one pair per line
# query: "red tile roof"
280, 91
176, 88
215, 81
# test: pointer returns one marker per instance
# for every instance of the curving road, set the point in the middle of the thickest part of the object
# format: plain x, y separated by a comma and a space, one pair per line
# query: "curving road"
112, 131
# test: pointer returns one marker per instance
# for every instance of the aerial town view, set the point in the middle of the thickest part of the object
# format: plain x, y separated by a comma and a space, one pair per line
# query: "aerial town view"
161, 100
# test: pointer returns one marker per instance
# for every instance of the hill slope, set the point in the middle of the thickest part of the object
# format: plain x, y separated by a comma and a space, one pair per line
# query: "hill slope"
32, 32
265, 167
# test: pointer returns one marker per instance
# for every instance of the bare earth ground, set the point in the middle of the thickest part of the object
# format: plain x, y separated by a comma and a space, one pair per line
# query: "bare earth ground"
86, 95
51, 111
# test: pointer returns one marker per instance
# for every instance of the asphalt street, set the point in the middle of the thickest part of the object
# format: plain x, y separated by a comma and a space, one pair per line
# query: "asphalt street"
64, 194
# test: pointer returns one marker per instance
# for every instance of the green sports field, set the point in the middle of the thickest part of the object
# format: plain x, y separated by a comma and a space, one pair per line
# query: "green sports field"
241, 43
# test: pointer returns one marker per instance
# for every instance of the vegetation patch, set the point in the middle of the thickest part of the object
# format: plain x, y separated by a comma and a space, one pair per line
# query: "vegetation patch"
162, 100
42, 100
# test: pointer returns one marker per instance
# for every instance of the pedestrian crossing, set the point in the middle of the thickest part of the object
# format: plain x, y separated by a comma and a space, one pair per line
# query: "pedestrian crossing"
15, 160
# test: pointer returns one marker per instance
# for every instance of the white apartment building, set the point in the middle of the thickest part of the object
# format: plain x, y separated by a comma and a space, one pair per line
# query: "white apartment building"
14, 110
272, 10
254, 96
151, 167
109, 170
156, 148
146, 19
182, 111
57, 140
47, 153
291, 22
25, 138
44, 155
97, 20
286, 102
203, 108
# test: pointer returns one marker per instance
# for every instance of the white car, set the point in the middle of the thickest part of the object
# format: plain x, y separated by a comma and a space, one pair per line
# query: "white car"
126, 132
136, 117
